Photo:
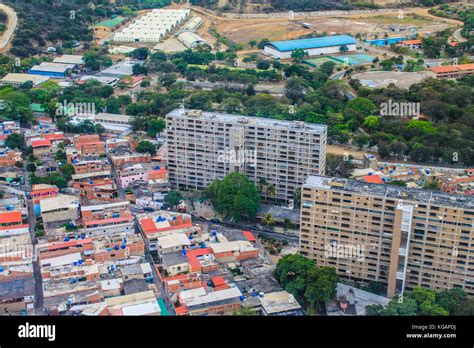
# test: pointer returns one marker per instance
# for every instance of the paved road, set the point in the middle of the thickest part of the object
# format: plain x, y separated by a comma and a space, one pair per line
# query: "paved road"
254, 229
32, 227
12, 23
457, 35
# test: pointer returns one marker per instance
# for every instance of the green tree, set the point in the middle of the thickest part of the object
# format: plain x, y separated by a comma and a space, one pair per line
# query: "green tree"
145, 146
268, 220
67, 170
235, 197
31, 167
173, 198
245, 311
371, 123
15, 141
321, 285
298, 55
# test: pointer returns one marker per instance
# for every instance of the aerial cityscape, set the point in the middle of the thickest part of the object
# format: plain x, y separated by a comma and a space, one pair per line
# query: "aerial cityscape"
236, 158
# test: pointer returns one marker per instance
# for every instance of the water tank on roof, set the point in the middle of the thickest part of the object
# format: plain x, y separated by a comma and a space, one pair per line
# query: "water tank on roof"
108, 249
76, 237
2, 269
214, 233
370, 173
116, 215
116, 247
80, 261
123, 246
174, 217
10, 207
156, 167
190, 237
183, 252
242, 297
74, 263
125, 240
91, 182
83, 235
66, 239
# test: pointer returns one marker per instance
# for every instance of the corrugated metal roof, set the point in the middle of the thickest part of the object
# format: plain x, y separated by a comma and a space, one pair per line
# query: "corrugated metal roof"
317, 42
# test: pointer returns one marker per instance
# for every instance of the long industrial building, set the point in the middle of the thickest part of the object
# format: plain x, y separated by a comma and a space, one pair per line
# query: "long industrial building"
313, 47
398, 236
153, 26
204, 146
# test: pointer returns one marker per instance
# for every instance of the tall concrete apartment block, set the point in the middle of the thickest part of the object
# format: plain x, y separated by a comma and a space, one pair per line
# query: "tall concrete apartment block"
204, 146
402, 237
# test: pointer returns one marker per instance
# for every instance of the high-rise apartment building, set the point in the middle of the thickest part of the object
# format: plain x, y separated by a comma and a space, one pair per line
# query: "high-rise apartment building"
377, 232
277, 155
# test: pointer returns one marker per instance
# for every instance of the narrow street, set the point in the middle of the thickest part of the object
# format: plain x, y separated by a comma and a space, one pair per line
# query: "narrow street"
159, 287
36, 266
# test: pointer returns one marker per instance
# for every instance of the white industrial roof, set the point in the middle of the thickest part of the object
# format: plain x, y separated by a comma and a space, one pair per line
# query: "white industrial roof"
22, 78
190, 39
69, 59
53, 67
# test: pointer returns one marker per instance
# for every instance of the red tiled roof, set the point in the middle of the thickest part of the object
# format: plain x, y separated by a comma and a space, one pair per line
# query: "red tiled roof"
70, 243
148, 225
249, 235
373, 179
452, 68
10, 217
41, 143
108, 221
194, 253
181, 310
411, 42
54, 136
218, 280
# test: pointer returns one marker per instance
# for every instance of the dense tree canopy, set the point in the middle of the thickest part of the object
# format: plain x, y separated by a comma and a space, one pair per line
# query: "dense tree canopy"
235, 197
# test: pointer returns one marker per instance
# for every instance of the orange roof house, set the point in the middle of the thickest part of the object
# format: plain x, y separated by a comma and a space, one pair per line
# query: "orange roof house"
40, 143
373, 179
249, 236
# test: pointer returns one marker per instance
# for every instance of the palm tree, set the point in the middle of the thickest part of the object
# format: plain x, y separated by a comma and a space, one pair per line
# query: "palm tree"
271, 190
262, 183
268, 220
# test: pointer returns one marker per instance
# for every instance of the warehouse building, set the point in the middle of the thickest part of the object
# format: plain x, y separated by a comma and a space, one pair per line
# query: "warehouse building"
76, 60
16, 80
109, 25
193, 24
191, 40
153, 26
314, 46
54, 70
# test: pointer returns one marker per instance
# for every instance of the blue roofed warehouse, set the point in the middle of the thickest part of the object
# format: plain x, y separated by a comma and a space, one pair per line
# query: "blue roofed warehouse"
316, 46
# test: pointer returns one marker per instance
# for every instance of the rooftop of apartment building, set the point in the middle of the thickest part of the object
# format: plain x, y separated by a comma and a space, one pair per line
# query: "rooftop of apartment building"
391, 191
249, 120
